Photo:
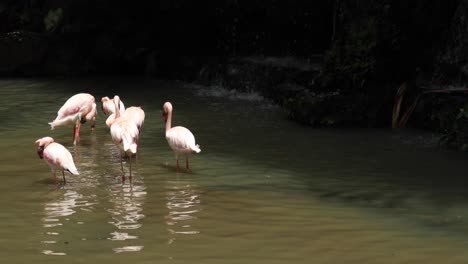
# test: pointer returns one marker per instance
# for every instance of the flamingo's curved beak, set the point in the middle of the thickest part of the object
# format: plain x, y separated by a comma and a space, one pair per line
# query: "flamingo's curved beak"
40, 151
164, 116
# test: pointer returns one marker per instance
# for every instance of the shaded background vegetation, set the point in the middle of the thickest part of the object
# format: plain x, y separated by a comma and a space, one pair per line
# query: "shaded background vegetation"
329, 63
124, 37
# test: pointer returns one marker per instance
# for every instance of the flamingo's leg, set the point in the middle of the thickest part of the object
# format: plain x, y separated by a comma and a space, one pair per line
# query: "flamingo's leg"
76, 134
55, 177
63, 175
93, 124
187, 164
136, 141
121, 166
130, 167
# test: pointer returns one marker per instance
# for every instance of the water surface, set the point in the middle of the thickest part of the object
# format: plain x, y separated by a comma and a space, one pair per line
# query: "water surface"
263, 189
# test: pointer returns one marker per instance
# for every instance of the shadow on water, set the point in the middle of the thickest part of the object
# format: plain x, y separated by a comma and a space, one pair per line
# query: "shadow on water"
48, 181
173, 168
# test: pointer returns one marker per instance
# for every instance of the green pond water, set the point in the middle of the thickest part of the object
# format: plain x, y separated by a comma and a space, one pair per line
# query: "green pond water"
263, 189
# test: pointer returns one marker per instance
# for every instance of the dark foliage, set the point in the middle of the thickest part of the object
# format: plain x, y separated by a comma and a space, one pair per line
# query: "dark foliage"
366, 50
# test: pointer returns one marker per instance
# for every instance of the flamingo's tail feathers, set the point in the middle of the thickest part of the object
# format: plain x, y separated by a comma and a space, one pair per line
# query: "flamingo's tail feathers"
128, 145
58, 122
133, 148
196, 148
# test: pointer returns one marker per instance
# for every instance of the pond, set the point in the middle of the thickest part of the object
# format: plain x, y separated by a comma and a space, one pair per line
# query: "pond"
262, 190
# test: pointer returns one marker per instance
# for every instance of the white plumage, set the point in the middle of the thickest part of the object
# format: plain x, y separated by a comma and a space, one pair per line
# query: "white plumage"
136, 115
179, 138
108, 107
56, 156
77, 110
124, 134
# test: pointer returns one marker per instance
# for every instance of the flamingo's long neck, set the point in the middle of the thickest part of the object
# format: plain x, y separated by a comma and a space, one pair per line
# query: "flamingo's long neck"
169, 119
117, 107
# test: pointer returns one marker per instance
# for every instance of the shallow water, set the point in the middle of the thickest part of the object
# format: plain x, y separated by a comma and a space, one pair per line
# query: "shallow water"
263, 189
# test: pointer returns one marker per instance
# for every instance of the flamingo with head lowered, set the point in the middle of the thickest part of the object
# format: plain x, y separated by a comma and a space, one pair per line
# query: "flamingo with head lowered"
179, 138
56, 156
124, 134
76, 111
108, 107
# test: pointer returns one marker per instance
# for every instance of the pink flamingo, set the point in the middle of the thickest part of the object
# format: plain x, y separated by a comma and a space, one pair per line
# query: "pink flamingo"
180, 139
124, 134
136, 115
110, 120
77, 110
108, 107
56, 156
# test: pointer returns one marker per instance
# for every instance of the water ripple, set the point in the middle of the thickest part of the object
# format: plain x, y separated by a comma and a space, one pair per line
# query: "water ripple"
127, 210
59, 212
183, 202
126, 213
52, 253
121, 236
54, 211
128, 249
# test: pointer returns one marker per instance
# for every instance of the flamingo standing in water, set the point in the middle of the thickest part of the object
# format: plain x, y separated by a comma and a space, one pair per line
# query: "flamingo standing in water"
124, 134
77, 110
108, 108
56, 156
180, 139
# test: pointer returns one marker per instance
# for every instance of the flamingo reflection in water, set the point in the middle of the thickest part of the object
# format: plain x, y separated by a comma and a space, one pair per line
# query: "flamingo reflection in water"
59, 213
183, 203
127, 212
